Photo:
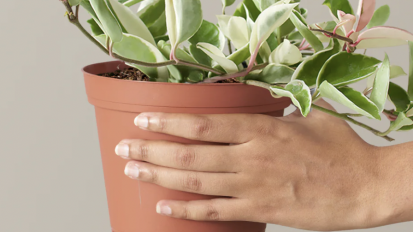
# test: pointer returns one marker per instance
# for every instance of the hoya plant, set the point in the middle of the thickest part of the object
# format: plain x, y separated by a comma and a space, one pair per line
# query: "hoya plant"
270, 45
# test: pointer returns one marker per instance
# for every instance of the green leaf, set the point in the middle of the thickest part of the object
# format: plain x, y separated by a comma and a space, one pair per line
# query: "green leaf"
235, 28
381, 85
131, 21
396, 71
335, 5
240, 55
130, 3
196, 76
159, 27
74, 2
309, 69
302, 27
346, 68
264, 52
407, 128
264, 4
286, 53
267, 22
96, 30
410, 88
399, 97
175, 74
88, 7
226, 3
253, 11
272, 41
285, 29
275, 74
135, 48
328, 26
209, 33
380, 17
166, 49
296, 37
299, 93
151, 10
409, 113
351, 99
183, 18
401, 121
162, 37
184, 71
200, 56
219, 57
110, 25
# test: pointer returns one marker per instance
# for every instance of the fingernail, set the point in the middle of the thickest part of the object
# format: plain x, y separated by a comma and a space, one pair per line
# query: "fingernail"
132, 171
142, 121
122, 150
164, 210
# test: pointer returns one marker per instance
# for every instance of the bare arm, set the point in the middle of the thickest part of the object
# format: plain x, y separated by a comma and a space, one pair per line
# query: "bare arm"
396, 175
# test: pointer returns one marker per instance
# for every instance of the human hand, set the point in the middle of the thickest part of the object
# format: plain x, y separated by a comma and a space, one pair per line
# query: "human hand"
313, 173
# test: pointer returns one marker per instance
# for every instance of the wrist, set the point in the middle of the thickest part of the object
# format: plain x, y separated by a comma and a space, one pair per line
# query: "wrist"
393, 192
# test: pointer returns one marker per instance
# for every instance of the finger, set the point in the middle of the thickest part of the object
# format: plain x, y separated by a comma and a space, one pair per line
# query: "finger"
321, 102
206, 210
206, 158
214, 184
233, 128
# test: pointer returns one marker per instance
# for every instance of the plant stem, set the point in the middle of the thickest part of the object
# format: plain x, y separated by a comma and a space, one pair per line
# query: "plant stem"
337, 36
74, 20
243, 73
229, 46
390, 112
353, 115
199, 66
385, 133
347, 118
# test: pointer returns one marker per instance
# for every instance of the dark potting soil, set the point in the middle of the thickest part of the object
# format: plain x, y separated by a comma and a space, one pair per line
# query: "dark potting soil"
134, 74
131, 74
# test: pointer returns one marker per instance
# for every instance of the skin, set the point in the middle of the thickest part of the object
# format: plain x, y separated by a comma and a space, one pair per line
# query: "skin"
311, 173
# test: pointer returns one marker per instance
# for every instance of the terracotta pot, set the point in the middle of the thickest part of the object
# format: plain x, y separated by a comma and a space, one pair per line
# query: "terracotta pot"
117, 102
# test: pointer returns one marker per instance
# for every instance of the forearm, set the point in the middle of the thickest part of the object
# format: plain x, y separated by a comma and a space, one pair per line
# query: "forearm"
396, 187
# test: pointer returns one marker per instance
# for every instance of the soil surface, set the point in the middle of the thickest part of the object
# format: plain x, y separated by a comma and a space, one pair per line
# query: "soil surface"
134, 74
131, 74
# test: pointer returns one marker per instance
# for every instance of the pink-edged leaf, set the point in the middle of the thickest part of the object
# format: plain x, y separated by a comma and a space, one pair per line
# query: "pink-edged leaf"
378, 37
347, 21
364, 14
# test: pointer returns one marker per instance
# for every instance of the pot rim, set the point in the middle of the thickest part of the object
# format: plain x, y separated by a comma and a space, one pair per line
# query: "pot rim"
85, 71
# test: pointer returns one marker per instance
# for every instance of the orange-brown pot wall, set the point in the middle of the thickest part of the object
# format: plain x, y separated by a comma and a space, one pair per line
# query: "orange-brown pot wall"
117, 102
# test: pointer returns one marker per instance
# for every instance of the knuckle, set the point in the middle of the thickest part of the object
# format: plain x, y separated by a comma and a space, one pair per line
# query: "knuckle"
185, 213
152, 176
212, 213
141, 150
185, 157
265, 125
162, 123
192, 183
202, 127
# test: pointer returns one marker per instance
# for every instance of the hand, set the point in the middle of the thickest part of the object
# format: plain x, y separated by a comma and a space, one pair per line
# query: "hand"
313, 173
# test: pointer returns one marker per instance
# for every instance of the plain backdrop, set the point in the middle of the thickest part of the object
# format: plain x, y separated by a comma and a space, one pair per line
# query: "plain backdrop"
50, 170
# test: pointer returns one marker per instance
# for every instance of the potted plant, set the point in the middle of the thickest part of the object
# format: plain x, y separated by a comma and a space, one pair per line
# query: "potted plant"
171, 60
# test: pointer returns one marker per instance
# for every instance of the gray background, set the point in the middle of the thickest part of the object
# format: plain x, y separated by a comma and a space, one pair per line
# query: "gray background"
50, 172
